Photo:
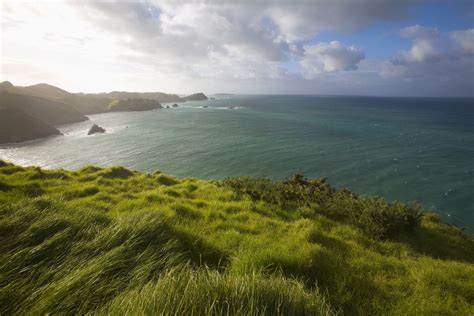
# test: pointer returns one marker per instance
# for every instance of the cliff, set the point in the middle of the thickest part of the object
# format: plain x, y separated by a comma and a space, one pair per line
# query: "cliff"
17, 126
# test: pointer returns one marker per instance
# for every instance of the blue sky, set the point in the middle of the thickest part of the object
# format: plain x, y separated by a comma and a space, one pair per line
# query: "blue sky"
382, 39
403, 47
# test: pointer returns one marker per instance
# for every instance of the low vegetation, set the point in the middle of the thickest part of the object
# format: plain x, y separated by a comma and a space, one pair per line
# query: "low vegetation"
116, 241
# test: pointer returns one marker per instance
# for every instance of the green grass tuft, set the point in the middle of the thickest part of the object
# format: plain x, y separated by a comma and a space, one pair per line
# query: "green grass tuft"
166, 180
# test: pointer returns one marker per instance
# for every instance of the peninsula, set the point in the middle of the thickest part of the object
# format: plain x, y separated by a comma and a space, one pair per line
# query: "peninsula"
34, 111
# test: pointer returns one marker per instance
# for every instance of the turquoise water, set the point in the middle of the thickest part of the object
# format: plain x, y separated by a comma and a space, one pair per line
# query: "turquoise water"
399, 148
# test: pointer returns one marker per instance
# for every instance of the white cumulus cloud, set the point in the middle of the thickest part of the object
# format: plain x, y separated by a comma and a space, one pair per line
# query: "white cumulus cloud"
185, 46
330, 57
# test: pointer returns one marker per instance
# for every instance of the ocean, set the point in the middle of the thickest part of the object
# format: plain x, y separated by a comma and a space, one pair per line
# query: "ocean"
402, 149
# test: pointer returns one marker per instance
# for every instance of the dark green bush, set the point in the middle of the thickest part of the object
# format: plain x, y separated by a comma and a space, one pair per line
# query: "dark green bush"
375, 216
383, 220
298, 191
432, 217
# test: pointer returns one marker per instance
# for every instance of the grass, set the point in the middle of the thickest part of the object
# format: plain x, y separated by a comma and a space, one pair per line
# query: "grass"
115, 241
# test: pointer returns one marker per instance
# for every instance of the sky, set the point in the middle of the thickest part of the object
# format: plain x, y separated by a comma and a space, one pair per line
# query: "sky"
320, 47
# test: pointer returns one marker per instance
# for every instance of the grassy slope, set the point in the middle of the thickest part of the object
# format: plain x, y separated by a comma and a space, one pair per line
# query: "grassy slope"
115, 241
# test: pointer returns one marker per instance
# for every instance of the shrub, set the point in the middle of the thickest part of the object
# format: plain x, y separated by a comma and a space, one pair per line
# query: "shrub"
432, 217
376, 217
383, 220
298, 190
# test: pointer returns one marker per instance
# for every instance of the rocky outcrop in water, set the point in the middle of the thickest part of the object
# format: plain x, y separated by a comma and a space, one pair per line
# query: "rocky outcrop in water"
95, 129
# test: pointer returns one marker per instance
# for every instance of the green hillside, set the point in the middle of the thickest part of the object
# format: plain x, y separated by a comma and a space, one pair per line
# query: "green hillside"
115, 241
157, 96
49, 111
85, 104
32, 112
126, 105
17, 126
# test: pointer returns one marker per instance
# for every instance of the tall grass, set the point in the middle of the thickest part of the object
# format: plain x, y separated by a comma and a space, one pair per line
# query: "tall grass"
207, 292
115, 241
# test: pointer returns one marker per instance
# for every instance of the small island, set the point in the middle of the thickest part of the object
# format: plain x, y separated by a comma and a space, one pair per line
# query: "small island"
196, 97
95, 129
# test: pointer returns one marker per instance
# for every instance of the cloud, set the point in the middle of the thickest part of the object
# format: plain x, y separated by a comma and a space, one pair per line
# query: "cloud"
297, 20
419, 32
432, 46
464, 40
425, 40
330, 57
238, 46
440, 60
219, 35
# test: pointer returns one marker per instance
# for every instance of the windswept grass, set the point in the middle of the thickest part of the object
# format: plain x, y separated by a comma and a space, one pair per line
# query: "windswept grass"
207, 292
115, 241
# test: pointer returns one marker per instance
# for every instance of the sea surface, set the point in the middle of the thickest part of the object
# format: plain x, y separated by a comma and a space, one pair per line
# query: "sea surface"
400, 148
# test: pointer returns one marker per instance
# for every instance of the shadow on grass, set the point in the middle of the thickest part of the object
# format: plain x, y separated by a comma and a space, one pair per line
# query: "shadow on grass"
441, 241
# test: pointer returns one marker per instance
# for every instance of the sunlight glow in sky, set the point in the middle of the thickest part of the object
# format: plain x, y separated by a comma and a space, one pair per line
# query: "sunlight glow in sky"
360, 47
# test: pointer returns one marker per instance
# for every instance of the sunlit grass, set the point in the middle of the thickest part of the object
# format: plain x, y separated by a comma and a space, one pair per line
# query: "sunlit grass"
123, 242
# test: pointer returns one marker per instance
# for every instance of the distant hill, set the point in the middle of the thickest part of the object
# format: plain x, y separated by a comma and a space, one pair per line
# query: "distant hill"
157, 96
17, 126
125, 105
83, 103
47, 110
195, 97
54, 106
